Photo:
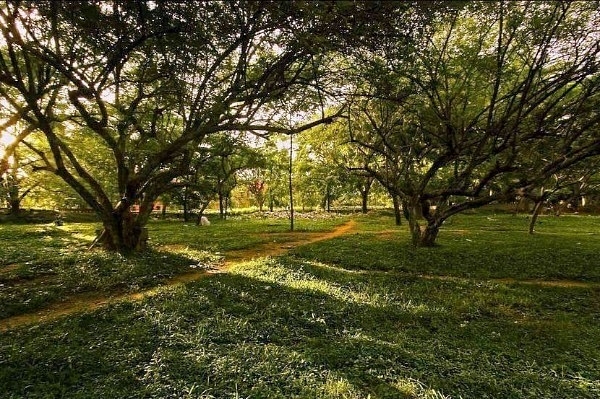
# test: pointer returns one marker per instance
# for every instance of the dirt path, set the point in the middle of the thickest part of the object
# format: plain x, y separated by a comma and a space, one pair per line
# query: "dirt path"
90, 301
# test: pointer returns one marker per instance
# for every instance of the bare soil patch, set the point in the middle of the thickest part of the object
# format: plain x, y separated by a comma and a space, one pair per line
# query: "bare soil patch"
9, 268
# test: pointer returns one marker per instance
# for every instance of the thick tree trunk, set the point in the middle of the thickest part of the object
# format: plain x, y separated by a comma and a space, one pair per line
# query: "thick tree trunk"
123, 233
14, 200
429, 235
413, 224
422, 236
14, 207
201, 213
364, 194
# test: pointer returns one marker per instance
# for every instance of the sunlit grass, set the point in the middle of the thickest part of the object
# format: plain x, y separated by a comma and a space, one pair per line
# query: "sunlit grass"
360, 316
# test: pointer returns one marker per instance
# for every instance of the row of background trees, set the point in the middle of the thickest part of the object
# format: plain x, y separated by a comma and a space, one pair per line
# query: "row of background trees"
449, 105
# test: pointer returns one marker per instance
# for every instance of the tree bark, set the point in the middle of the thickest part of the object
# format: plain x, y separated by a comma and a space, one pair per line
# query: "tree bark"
221, 205
201, 212
536, 211
397, 211
365, 189
413, 223
15, 207
186, 212
123, 232
429, 235
364, 201
290, 183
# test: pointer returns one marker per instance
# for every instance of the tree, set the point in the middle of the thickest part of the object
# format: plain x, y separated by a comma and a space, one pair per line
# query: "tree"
257, 188
276, 163
147, 83
490, 87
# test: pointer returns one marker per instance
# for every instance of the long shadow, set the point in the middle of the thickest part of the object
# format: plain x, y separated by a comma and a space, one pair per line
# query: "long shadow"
45, 289
292, 335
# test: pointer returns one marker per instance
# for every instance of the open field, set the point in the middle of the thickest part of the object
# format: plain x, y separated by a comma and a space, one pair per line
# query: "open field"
490, 312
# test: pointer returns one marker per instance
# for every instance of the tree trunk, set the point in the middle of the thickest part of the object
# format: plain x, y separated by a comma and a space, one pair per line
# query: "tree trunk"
429, 235
397, 211
186, 212
364, 194
290, 183
422, 236
14, 200
201, 212
413, 223
536, 211
123, 233
221, 205
15, 207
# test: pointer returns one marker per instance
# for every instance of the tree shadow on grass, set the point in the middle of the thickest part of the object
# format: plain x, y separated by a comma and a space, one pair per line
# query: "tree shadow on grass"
278, 329
80, 281
484, 255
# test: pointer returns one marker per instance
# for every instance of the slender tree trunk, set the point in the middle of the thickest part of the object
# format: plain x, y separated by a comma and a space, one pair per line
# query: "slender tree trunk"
221, 205
185, 204
397, 211
14, 200
536, 211
186, 212
364, 194
291, 187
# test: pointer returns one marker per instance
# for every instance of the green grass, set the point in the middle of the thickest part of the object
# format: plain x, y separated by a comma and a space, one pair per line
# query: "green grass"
474, 246
360, 316
44, 263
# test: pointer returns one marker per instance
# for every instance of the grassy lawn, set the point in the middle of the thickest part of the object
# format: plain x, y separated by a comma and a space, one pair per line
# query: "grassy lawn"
44, 263
491, 312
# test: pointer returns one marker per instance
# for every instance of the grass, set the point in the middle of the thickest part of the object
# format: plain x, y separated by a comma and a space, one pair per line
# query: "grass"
360, 316
46, 263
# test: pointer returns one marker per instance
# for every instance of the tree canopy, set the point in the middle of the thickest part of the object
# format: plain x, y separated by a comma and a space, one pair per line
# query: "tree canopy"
452, 104
495, 99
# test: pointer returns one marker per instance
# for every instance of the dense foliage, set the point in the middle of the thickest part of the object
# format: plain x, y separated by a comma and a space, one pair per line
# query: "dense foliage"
448, 105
